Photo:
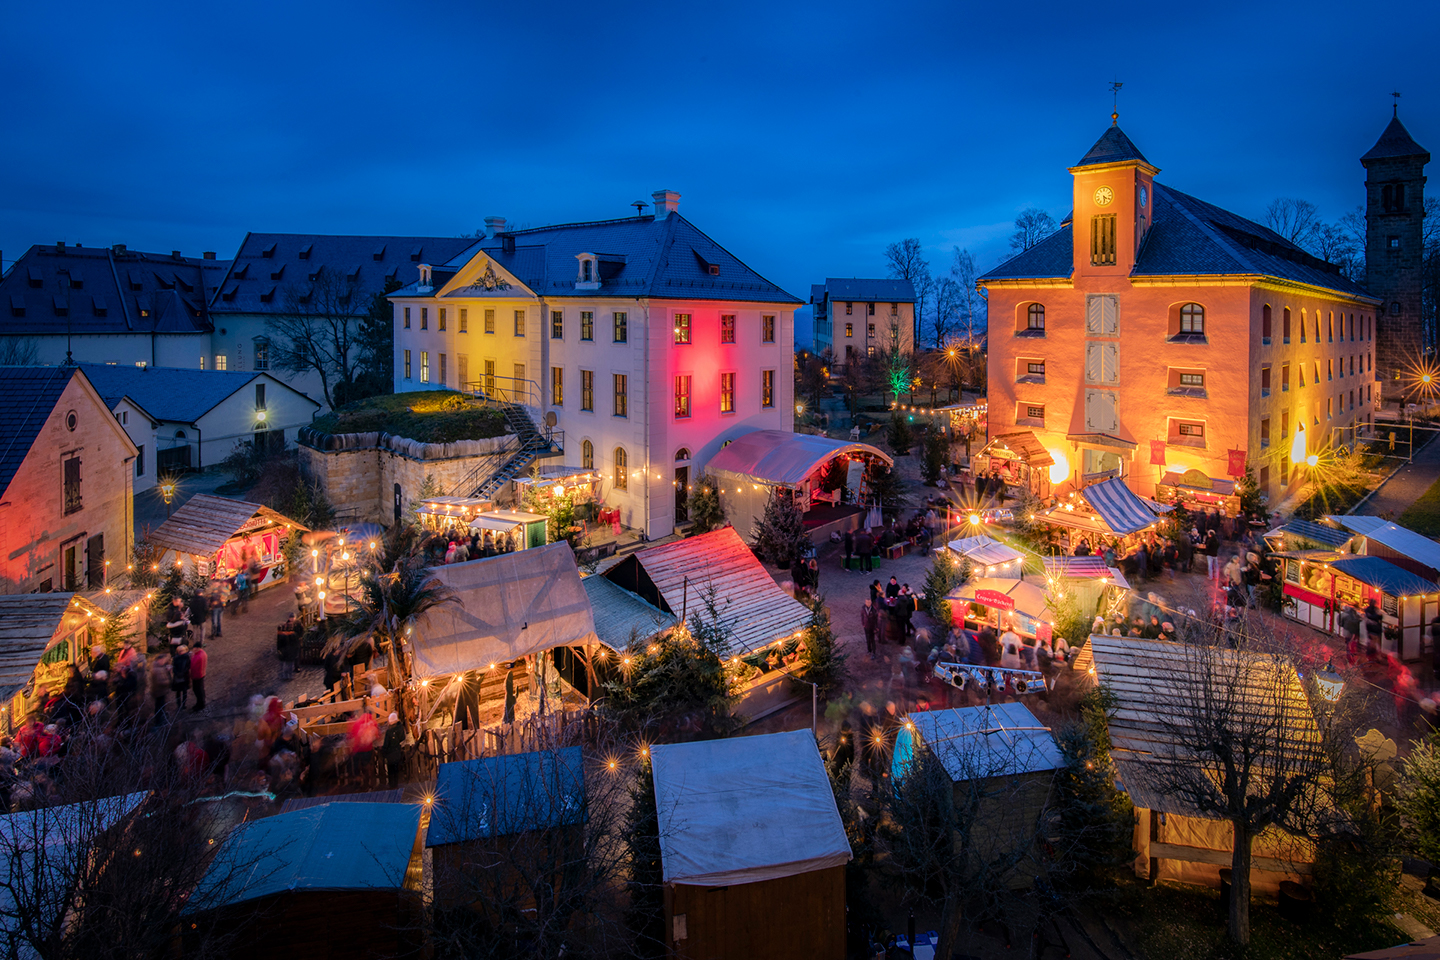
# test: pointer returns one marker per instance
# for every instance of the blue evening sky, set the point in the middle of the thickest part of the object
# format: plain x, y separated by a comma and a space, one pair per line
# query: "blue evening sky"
804, 137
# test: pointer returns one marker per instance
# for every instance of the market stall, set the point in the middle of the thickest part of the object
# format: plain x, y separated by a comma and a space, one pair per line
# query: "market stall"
1098, 588
989, 556
582, 486
438, 514
41, 636
509, 530
217, 537
1020, 460
1002, 604
1105, 509
1196, 490
1319, 584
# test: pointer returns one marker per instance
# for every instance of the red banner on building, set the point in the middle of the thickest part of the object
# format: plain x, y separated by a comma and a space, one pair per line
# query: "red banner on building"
1237, 463
1157, 452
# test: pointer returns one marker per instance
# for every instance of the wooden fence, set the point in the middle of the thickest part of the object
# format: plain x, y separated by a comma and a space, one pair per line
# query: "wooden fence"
551, 731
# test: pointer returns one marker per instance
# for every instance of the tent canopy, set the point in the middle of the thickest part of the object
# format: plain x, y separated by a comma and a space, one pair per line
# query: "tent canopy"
1083, 568
509, 606
986, 550
205, 522
506, 795
973, 743
1022, 445
778, 456
1385, 576
335, 846
1029, 598
745, 809
1118, 505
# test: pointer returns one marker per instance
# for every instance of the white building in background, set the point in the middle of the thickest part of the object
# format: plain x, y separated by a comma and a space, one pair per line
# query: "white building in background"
650, 343
857, 317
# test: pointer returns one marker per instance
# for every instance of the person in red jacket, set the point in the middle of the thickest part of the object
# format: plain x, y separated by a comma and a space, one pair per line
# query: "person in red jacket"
199, 662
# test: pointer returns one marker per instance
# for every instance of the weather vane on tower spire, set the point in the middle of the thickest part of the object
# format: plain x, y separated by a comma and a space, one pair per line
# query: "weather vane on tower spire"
1115, 86
1396, 95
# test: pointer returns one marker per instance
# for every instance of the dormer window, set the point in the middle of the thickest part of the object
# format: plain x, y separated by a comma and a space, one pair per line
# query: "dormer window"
424, 274
587, 276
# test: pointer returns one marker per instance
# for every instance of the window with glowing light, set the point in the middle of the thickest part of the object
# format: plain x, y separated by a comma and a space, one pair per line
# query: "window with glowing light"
557, 325
727, 328
587, 455
682, 397
767, 388
849, 329
622, 332
424, 366
587, 390
407, 364
682, 328
557, 386
622, 399
587, 325
622, 469
767, 328
727, 393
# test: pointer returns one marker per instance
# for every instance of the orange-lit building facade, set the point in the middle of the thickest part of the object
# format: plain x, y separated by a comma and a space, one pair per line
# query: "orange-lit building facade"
1167, 341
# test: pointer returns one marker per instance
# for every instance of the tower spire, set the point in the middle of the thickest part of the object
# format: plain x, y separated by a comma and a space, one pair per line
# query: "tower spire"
1115, 86
1396, 108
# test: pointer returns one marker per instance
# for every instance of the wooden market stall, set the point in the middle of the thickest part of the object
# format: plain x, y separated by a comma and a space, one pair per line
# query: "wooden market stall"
765, 622
1101, 510
1319, 584
438, 514
999, 603
1020, 459
504, 829
999, 758
510, 530
1099, 589
216, 537
1150, 680
334, 880
41, 636
1198, 491
989, 557
752, 849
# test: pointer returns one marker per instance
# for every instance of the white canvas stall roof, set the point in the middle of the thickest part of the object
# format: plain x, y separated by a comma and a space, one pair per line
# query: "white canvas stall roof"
1029, 598
509, 606
1002, 739
758, 610
205, 522
986, 550
503, 519
1405, 542
745, 809
28, 622
777, 456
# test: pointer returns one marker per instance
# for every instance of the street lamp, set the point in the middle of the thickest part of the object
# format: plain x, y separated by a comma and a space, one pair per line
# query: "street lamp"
1329, 683
167, 490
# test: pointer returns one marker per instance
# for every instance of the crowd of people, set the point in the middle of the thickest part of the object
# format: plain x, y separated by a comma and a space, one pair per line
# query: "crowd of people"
457, 545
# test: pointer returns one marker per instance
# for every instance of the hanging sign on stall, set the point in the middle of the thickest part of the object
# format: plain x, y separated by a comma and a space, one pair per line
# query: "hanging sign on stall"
1044, 632
996, 599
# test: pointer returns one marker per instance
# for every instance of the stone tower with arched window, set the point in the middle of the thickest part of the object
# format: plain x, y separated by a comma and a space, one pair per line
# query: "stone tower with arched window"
1394, 251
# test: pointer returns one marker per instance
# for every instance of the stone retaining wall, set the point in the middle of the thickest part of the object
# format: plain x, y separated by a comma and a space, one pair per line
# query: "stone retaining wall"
360, 472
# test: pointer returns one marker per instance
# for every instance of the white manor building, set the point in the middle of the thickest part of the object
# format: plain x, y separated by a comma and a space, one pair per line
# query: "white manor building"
650, 343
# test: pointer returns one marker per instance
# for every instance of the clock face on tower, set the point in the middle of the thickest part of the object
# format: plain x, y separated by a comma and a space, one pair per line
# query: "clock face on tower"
1103, 195
1143, 196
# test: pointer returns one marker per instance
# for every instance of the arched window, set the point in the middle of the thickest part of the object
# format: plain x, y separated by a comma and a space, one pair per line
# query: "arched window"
179, 434
1035, 317
682, 454
622, 469
1265, 323
1303, 321
1192, 318
1285, 326
587, 455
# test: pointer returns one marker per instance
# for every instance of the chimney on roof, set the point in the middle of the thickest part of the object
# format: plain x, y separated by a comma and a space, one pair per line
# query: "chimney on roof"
667, 201
494, 225
175, 254
118, 249
208, 254
59, 246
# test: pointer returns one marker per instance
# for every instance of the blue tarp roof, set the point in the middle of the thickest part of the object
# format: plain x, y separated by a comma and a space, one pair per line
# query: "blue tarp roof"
1002, 739
337, 846
502, 796
1384, 575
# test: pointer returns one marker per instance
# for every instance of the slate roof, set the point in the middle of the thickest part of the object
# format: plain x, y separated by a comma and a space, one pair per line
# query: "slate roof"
851, 289
1112, 147
180, 394
1189, 237
638, 257
99, 290
251, 285
1395, 143
27, 397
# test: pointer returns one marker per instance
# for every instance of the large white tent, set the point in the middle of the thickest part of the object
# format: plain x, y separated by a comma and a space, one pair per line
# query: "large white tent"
508, 606
745, 809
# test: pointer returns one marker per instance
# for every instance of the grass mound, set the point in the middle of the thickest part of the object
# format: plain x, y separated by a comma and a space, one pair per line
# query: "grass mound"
428, 416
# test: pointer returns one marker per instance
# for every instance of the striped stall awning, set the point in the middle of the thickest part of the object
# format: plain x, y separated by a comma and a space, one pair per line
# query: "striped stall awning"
1122, 511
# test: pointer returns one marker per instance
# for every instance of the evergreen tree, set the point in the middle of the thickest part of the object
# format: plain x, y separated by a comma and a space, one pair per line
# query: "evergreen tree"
946, 573
429, 487
780, 535
885, 487
935, 454
900, 437
704, 507
1091, 822
822, 663
646, 881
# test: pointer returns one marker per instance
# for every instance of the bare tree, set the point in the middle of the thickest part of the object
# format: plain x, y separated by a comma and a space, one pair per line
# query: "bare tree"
320, 329
1235, 741
106, 860
947, 316
1296, 220
973, 314
906, 260
1031, 226
19, 351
